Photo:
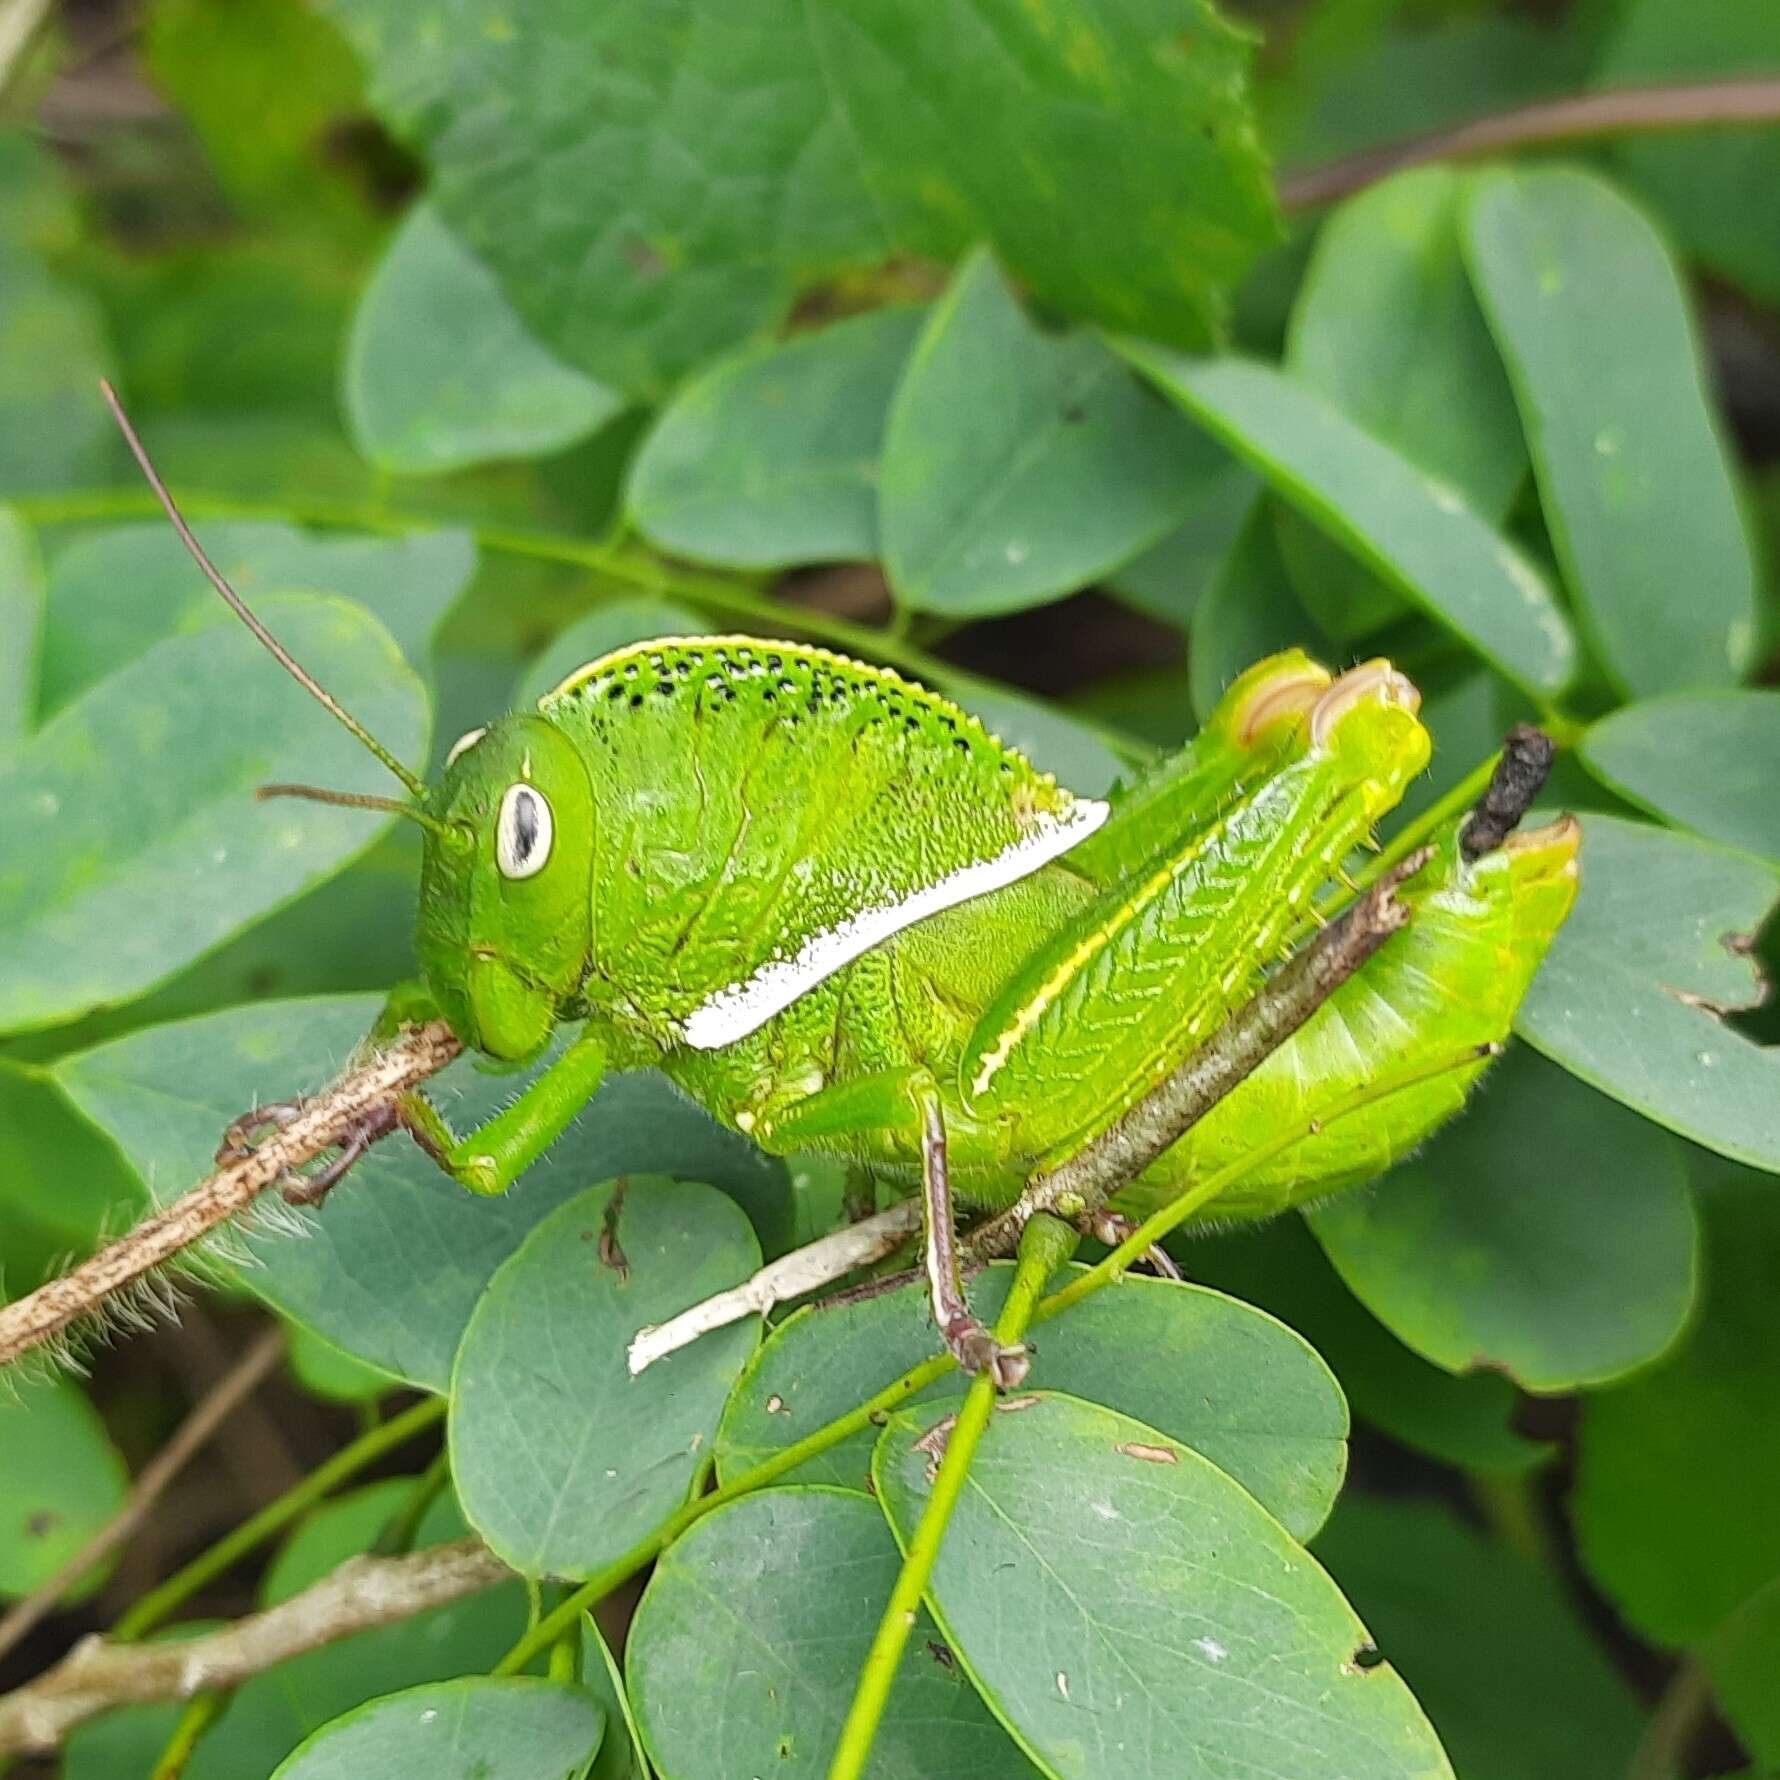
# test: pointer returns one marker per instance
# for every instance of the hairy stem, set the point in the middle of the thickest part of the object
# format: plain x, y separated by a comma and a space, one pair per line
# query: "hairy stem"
55, 1306
1045, 1244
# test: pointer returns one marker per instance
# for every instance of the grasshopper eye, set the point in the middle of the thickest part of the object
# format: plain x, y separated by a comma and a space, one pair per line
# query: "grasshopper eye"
523, 832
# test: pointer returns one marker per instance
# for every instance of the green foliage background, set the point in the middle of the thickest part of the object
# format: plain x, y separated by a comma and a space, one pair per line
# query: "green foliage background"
984, 340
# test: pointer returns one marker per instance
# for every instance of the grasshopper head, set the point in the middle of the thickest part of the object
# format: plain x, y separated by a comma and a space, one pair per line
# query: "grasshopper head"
505, 921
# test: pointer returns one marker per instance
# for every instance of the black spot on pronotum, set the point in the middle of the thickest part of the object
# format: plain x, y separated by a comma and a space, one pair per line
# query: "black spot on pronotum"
1367, 1656
1520, 774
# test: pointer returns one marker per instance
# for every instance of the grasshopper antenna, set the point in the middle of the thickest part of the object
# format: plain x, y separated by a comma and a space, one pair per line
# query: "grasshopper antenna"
355, 800
240, 607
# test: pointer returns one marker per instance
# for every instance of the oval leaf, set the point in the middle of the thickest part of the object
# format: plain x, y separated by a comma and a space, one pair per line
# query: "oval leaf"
61, 1480
621, 1748
391, 1267
1018, 465
747, 1645
1635, 480
1413, 531
562, 1460
130, 840
1127, 1609
771, 457
1222, 1377
474, 1729
442, 373
1633, 992
1547, 1234
1707, 761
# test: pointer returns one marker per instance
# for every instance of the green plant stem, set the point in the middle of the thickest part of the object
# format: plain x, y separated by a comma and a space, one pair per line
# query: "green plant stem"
160, 1603
1104, 1272
1045, 1244
199, 1714
629, 567
1673, 1725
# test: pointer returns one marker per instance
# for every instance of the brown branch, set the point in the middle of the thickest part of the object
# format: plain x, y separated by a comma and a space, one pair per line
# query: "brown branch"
188, 1439
1623, 111
53, 1307
1086, 1180
98, 1675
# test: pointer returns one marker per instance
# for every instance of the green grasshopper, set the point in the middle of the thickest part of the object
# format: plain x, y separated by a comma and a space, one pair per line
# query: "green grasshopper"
845, 918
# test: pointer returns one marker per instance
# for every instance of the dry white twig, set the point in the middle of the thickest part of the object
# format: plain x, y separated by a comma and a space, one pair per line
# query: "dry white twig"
806, 1269
98, 1675
53, 1307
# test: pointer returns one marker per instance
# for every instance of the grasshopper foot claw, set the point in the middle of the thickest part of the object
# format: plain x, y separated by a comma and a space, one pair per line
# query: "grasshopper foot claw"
252, 1128
976, 1350
311, 1189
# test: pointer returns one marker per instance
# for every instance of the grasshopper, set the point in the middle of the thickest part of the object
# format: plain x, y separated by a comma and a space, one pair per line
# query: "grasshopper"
845, 918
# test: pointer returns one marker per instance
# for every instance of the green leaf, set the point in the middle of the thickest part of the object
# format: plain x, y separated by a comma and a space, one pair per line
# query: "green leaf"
1743, 1657
130, 839
652, 184
1632, 994
21, 622
394, 1263
1219, 1376
54, 431
1704, 760
1634, 476
1249, 609
1548, 1234
1125, 1608
61, 1480
747, 1645
1019, 466
1168, 579
562, 1459
1461, 1421
770, 457
330, 1372
1413, 531
1386, 327
62, 1186
441, 373
474, 1729
1673, 1500
1716, 187
602, 630
621, 1748
409, 583
1472, 1626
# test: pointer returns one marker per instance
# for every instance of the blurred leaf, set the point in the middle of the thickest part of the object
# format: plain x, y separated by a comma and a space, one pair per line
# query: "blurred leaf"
330, 1372
441, 373
1219, 1376
62, 1186
476, 1728
1705, 760
114, 592
1743, 1657
1514, 1683
1632, 995
1052, 740
1547, 1233
1462, 1421
1249, 609
605, 628
770, 457
1126, 1608
61, 1480
621, 1749
392, 1266
542, 1373
130, 838
1412, 530
1674, 1499
54, 431
1590, 315
1020, 465
21, 623
1719, 189
748, 1643
574, 150
1386, 327
1168, 579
